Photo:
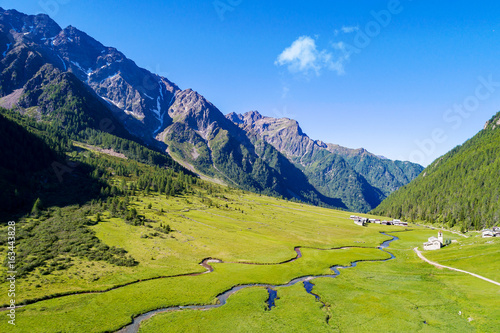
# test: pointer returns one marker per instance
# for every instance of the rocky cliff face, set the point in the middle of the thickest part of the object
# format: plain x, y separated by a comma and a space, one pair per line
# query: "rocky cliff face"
199, 114
284, 134
493, 123
118, 80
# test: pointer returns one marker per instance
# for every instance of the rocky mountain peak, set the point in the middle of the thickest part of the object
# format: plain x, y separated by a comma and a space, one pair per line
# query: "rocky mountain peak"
36, 26
321, 144
253, 119
349, 152
361, 151
252, 116
282, 133
78, 47
235, 118
194, 110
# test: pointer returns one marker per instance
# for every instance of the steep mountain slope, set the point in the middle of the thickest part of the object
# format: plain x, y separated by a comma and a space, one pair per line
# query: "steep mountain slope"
78, 82
75, 80
360, 178
34, 165
23, 155
202, 137
139, 98
61, 97
463, 186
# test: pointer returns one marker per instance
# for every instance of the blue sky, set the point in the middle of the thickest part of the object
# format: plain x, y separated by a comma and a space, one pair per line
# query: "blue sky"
404, 79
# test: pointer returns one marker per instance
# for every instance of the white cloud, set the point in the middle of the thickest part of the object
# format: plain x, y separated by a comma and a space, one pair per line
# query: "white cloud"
349, 29
304, 57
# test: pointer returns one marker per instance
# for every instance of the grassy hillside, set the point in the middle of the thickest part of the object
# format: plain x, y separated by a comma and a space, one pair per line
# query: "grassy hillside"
38, 161
460, 188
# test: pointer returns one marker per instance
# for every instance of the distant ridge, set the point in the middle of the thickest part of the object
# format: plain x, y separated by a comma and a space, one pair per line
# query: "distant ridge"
359, 177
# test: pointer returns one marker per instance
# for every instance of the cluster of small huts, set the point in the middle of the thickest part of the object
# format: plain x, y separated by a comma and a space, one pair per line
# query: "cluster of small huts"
363, 221
435, 243
493, 232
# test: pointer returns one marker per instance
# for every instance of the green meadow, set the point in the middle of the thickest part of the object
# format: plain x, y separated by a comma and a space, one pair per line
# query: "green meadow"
251, 228
243, 229
475, 254
401, 295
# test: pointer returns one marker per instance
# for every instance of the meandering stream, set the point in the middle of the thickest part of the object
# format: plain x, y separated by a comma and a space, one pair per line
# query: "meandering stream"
222, 298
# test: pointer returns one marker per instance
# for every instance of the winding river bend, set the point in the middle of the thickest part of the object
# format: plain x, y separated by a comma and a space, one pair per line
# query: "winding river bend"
222, 298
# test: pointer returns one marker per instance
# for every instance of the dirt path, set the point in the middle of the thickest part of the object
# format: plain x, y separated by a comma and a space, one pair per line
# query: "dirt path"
448, 230
453, 269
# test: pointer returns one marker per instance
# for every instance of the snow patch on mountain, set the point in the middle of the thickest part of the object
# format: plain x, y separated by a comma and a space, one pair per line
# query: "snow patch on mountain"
88, 71
171, 101
64, 64
8, 47
158, 111
13, 28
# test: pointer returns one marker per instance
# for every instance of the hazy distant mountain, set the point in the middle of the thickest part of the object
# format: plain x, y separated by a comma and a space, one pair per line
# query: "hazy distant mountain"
462, 185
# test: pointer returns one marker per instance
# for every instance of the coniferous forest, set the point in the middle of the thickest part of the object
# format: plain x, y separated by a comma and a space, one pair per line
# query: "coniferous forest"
460, 188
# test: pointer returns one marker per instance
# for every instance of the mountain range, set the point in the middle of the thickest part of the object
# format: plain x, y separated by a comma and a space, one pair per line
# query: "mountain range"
65, 76
359, 177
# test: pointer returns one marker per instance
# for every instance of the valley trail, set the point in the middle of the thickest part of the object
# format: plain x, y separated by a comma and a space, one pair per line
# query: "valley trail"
453, 269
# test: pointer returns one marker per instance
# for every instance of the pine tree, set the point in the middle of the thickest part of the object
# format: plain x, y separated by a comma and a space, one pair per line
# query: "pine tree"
37, 208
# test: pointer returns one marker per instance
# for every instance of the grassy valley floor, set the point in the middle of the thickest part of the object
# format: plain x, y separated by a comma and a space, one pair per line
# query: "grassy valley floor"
236, 227
401, 295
